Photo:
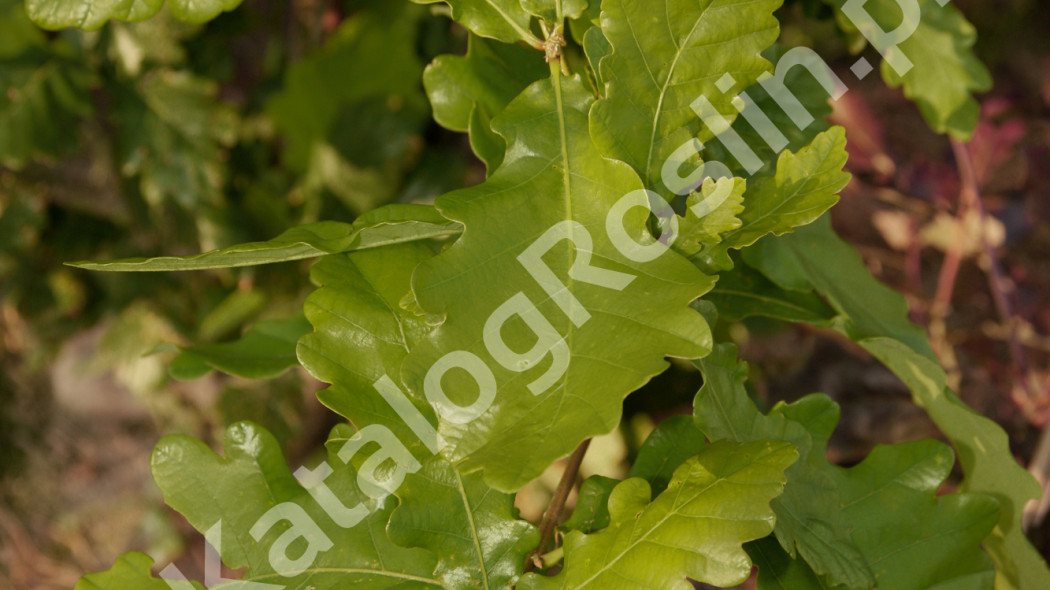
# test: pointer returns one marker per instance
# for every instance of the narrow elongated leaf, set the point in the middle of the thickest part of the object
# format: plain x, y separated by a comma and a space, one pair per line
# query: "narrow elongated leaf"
468, 91
131, 570
265, 351
809, 519
666, 55
470, 527
250, 490
695, 529
92, 14
503, 20
559, 191
876, 317
388, 225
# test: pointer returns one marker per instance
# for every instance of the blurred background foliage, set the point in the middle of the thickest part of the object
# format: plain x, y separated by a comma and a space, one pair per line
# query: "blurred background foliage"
162, 137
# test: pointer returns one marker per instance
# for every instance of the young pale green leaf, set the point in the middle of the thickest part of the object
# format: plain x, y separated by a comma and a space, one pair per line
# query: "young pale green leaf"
806, 184
265, 351
92, 14
473, 530
697, 231
503, 20
392, 224
944, 72
666, 54
715, 501
809, 518
251, 486
876, 316
468, 91
544, 211
131, 570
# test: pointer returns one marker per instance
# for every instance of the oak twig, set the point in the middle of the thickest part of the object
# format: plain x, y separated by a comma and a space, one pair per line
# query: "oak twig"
553, 513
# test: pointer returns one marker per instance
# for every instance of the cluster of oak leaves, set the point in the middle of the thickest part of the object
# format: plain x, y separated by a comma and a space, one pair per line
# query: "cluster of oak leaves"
709, 495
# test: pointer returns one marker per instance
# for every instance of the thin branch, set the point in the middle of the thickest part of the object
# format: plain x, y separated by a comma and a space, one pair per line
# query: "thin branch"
561, 494
971, 198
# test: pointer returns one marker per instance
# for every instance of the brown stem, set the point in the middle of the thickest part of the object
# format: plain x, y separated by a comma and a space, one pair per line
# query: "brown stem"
561, 494
971, 195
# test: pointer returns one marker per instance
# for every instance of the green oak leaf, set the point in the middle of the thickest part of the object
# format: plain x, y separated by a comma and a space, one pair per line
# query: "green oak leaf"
666, 54
715, 501
366, 73
362, 333
240, 488
744, 292
479, 541
131, 570
591, 512
672, 442
945, 72
876, 317
914, 539
806, 184
467, 91
559, 192
808, 519
47, 91
385, 226
596, 47
554, 11
798, 82
814, 258
909, 538
174, 134
986, 458
92, 14
265, 351
503, 20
